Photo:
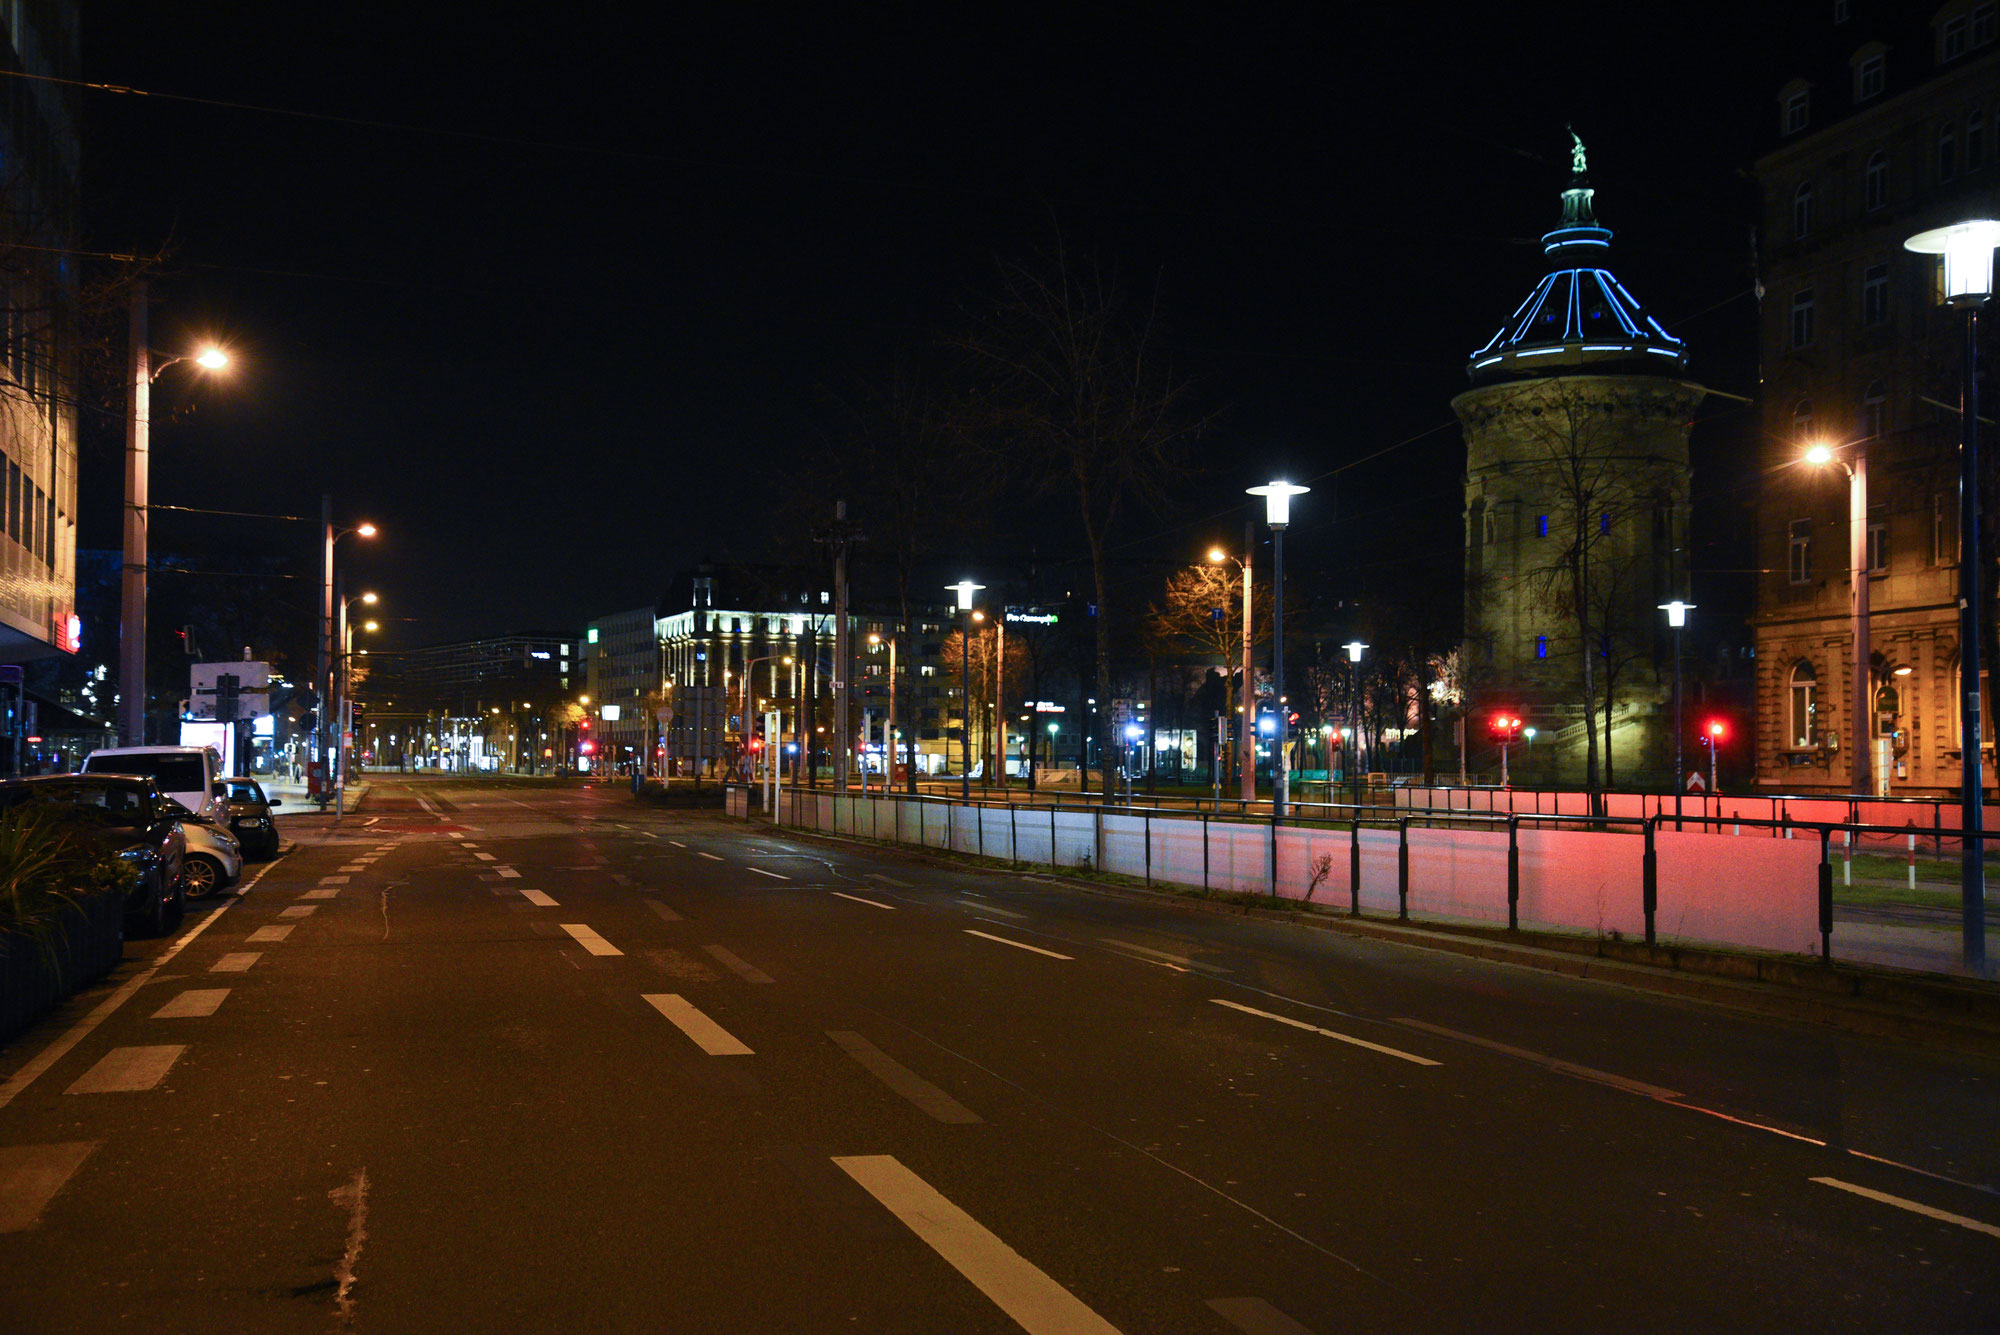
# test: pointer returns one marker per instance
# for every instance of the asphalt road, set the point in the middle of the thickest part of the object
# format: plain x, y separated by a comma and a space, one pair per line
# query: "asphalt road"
537, 1059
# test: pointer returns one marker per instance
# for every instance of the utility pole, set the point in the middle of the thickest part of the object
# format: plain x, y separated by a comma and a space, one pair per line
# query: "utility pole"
138, 460
839, 537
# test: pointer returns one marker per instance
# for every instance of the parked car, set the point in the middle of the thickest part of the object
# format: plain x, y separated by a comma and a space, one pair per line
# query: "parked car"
214, 858
127, 815
190, 775
250, 817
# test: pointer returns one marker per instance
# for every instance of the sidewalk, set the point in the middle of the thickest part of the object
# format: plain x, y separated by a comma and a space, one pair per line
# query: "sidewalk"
297, 803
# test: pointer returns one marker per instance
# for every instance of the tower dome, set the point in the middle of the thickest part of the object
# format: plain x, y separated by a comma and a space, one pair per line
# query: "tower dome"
1579, 317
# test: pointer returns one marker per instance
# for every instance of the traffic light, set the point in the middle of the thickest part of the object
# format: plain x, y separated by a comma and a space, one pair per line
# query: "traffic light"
587, 746
1506, 726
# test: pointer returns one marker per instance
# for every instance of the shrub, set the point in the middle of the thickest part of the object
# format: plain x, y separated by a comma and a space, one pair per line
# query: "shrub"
48, 862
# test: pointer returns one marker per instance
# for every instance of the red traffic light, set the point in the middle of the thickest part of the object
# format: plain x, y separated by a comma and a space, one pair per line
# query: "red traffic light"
587, 747
1506, 725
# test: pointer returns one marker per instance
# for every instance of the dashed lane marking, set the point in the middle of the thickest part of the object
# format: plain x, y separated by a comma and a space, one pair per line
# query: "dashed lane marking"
1327, 1033
1545, 1061
507, 873
871, 903
1254, 1316
985, 907
275, 932
129, 1070
748, 972
677, 843
773, 875
334, 880
537, 898
236, 961
298, 911
590, 940
192, 1004
321, 894
486, 857
1018, 945
31, 1175
709, 1036
710, 856
902, 1079
665, 914
1914, 1207
1016, 1286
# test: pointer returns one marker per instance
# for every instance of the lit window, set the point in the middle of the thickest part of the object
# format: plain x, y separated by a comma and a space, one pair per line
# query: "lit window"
1803, 713
1799, 560
1875, 181
1868, 78
1875, 295
1802, 319
1795, 112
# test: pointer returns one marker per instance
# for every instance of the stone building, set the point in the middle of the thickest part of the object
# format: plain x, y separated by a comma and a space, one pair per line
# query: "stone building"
1576, 512
1892, 130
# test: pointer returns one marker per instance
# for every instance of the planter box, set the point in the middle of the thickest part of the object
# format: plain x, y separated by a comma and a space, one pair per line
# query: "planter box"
74, 947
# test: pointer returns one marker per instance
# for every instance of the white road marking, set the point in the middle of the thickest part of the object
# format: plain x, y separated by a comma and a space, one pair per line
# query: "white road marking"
710, 856
355, 866
677, 843
709, 1036
236, 961
507, 873
748, 972
1181, 962
649, 834
486, 857
1327, 1033
590, 940
192, 1004
468, 845
773, 875
1254, 1316
55, 1051
126, 1070
537, 898
859, 900
458, 834
1590, 1073
425, 803
272, 933
321, 894
902, 1079
985, 907
1914, 1207
666, 914
299, 911
1018, 945
31, 1175
888, 880
1016, 1285
371, 820
334, 880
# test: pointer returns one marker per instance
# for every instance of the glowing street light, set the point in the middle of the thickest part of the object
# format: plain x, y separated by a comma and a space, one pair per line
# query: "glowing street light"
965, 588
1856, 466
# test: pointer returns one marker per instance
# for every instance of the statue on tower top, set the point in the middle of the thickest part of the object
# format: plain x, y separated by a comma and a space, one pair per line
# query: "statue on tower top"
1576, 155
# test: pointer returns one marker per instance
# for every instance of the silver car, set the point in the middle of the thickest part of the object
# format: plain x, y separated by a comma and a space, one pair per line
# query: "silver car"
214, 858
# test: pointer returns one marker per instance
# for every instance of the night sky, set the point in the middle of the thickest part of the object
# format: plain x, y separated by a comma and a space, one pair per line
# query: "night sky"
567, 307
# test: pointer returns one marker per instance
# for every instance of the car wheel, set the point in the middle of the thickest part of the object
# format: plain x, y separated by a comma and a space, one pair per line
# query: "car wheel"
204, 876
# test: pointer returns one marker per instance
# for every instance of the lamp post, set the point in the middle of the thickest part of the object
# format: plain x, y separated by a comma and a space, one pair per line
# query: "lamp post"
889, 727
1862, 766
965, 588
1967, 248
327, 643
1246, 744
344, 634
1354, 650
744, 708
1277, 514
138, 482
1677, 617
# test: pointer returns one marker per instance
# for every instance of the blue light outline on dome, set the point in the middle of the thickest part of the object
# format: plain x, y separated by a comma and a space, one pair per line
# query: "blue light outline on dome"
1606, 283
1573, 311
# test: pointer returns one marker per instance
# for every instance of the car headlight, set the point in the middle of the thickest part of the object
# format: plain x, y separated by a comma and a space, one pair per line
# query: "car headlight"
142, 856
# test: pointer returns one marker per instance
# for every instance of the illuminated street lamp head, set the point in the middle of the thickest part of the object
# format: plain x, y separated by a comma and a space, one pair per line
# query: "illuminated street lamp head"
1277, 501
965, 588
583, 699
370, 599
1217, 555
1677, 612
1819, 454
873, 638
211, 358
365, 530
370, 625
1354, 649
1967, 248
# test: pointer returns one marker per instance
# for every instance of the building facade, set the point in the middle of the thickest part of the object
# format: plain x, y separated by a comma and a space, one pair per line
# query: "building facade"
625, 677
1576, 513
1895, 130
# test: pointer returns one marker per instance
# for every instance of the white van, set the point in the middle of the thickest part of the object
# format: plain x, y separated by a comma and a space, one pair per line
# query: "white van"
191, 775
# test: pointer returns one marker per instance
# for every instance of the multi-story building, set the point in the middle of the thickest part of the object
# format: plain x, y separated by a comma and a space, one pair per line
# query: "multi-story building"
505, 702
1576, 511
1895, 129
625, 677
38, 228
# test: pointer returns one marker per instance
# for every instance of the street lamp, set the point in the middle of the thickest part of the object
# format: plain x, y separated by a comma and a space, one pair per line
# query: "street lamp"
328, 643
889, 727
1278, 514
1677, 617
344, 633
1967, 248
138, 484
745, 707
1862, 766
1354, 649
1246, 748
965, 588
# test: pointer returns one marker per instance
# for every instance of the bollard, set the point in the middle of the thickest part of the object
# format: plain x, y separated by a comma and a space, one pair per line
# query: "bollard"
1514, 877
1649, 893
1052, 833
1847, 858
1825, 896
1354, 870
1204, 852
1013, 835
1149, 847
1403, 869
1913, 862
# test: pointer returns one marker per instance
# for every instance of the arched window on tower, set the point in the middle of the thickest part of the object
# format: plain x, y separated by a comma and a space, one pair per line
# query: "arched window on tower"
1802, 707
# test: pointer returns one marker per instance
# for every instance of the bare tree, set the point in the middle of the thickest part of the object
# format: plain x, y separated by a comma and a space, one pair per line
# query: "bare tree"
1084, 403
1201, 608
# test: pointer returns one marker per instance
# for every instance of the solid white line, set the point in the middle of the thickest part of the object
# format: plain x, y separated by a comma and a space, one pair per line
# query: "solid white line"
859, 900
1018, 945
271, 933
1914, 1207
31, 1175
537, 898
709, 1036
742, 968
1555, 1064
773, 875
127, 1070
236, 961
1016, 1285
710, 856
1328, 1033
590, 940
192, 1004
55, 1051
